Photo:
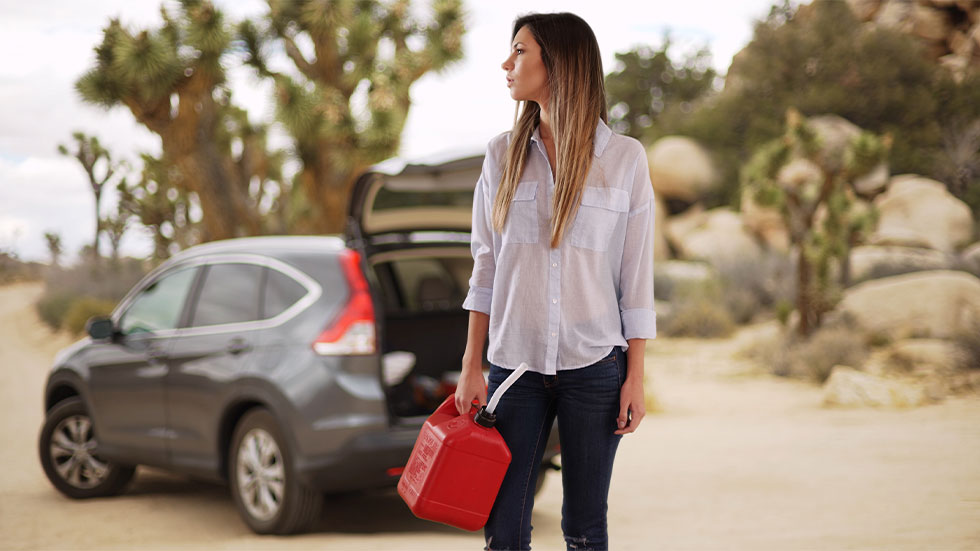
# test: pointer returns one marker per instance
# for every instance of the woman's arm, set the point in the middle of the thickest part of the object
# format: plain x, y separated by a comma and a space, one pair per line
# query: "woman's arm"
636, 293
632, 407
471, 383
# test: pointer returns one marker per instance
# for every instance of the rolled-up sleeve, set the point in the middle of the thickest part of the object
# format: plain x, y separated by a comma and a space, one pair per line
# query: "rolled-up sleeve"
481, 243
636, 304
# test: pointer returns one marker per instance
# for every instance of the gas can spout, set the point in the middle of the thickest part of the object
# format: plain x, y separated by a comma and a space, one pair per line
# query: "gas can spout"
492, 405
486, 417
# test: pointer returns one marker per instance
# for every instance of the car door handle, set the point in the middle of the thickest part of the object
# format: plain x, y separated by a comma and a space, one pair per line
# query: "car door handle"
155, 353
237, 346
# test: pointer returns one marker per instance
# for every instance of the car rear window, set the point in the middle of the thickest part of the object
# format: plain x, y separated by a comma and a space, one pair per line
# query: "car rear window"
281, 292
230, 294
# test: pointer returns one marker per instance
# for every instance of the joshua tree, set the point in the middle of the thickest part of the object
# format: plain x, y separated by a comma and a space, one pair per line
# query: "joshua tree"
160, 207
812, 185
55, 249
172, 80
115, 227
99, 168
345, 51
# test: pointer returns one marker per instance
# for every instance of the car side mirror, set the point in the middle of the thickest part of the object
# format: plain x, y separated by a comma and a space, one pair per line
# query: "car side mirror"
100, 328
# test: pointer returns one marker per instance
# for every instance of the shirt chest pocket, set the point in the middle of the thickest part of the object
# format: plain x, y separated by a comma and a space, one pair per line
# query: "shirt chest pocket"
600, 211
522, 217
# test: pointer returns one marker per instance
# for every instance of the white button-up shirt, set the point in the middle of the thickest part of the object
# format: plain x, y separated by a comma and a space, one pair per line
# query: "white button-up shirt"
566, 307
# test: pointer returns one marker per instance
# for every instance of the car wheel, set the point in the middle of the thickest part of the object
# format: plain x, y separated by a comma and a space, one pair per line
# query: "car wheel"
266, 490
70, 454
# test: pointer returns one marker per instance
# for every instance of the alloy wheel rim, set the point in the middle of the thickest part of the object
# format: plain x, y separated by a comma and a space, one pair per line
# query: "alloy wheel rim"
261, 475
72, 449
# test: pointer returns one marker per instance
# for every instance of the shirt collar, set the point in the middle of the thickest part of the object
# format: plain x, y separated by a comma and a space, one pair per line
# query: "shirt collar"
602, 135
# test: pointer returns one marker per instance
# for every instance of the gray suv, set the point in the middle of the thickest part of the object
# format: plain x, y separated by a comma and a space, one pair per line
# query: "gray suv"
289, 367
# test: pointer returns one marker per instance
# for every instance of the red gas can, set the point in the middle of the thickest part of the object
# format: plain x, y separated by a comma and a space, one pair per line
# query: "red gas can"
457, 464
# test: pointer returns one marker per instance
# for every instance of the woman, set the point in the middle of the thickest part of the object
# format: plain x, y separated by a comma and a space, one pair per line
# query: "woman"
562, 279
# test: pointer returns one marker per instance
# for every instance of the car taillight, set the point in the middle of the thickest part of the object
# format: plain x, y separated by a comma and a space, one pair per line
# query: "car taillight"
351, 332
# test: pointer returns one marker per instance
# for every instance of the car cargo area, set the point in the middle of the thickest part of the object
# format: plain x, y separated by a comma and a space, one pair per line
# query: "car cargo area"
423, 325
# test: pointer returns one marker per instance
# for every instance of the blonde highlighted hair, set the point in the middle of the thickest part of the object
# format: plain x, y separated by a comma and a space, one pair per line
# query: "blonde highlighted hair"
577, 102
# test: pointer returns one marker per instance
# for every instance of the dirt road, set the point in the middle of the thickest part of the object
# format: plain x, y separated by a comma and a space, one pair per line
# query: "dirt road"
736, 460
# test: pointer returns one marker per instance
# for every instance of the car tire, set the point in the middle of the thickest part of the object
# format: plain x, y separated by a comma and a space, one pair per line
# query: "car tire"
69, 454
269, 496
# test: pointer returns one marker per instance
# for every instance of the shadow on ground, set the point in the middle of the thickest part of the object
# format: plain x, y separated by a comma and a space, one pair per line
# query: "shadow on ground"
367, 512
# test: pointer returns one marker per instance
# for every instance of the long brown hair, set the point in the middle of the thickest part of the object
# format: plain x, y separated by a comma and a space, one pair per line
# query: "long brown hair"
571, 58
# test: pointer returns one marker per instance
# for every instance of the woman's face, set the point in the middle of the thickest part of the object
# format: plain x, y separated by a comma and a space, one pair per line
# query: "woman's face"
527, 77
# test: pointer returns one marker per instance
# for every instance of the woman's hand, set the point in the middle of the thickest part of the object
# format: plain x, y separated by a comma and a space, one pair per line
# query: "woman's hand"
632, 407
471, 385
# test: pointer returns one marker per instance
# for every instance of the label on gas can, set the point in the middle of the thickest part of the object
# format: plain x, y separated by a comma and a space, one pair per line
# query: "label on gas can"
422, 459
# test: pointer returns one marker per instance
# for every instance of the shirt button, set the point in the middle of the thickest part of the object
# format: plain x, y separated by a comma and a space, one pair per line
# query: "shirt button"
554, 301
554, 334
555, 265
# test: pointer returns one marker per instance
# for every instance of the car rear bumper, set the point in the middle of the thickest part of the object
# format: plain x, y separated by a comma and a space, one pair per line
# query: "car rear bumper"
374, 460
369, 460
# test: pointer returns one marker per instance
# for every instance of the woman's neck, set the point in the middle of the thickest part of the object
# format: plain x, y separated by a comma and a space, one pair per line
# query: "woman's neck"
544, 130
544, 124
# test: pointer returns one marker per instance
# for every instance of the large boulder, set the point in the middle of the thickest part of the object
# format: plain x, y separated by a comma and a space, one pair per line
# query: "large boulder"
921, 210
870, 261
970, 257
895, 15
661, 251
938, 303
671, 275
765, 222
835, 134
717, 236
680, 169
864, 9
931, 24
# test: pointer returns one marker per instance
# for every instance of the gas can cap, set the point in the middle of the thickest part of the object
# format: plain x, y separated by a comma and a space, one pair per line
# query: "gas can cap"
484, 418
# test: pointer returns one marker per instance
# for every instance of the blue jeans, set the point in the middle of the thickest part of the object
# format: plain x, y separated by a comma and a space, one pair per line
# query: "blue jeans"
586, 402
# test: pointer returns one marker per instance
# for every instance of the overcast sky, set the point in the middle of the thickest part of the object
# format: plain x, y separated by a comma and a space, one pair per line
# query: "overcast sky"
47, 44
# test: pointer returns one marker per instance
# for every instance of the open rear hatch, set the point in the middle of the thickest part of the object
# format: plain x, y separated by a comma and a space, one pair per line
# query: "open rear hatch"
411, 221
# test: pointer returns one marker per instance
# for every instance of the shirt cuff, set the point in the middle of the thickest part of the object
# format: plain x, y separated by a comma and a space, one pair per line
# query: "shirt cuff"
478, 299
639, 323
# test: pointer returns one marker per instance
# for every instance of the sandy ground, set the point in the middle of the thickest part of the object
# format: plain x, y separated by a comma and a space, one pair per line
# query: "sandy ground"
734, 460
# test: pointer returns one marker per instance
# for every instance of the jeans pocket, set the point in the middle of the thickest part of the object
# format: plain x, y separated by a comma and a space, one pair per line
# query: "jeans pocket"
522, 216
598, 215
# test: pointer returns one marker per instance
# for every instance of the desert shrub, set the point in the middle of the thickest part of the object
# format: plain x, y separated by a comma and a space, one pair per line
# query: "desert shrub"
700, 319
105, 283
783, 309
12, 269
815, 357
698, 311
83, 308
53, 305
812, 359
742, 304
751, 286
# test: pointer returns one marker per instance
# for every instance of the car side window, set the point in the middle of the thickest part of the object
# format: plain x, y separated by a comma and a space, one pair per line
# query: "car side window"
158, 306
230, 294
281, 292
